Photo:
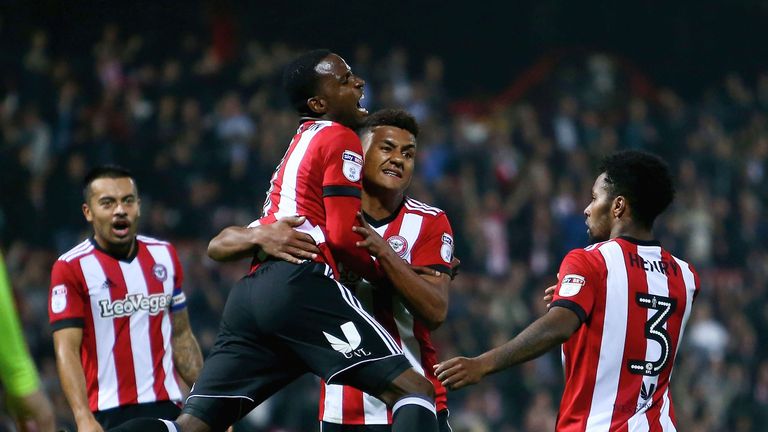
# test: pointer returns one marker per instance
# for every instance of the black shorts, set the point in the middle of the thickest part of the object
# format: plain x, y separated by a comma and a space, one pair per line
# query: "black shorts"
114, 417
280, 322
442, 426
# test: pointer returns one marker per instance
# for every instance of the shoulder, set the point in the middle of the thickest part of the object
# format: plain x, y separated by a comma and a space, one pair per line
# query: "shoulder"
151, 241
587, 258
79, 251
414, 206
331, 132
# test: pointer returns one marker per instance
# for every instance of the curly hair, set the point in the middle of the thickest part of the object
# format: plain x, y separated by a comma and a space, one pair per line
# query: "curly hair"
300, 79
643, 179
393, 117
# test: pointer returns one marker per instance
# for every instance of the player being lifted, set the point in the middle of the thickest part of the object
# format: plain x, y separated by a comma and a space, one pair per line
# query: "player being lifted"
286, 319
619, 309
415, 234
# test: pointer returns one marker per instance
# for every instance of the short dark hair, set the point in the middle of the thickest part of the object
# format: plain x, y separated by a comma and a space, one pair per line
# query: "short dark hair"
393, 117
644, 179
104, 171
300, 79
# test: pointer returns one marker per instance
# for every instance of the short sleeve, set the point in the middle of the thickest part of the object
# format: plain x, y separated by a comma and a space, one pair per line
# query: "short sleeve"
179, 300
436, 250
342, 162
576, 285
66, 298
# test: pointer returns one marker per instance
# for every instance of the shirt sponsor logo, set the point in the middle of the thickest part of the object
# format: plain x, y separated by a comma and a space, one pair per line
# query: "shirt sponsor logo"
160, 272
571, 285
352, 166
398, 244
446, 250
58, 298
348, 348
154, 304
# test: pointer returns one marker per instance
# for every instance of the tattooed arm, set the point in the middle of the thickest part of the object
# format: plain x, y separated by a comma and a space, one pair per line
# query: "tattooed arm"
186, 352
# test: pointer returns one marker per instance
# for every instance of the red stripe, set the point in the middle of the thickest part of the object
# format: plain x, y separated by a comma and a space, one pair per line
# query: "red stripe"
156, 342
321, 411
428, 360
352, 411
580, 366
635, 343
123, 353
90, 358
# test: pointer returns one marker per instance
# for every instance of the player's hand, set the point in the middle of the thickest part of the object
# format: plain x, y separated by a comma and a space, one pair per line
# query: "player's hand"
282, 241
459, 372
549, 293
32, 413
90, 425
372, 241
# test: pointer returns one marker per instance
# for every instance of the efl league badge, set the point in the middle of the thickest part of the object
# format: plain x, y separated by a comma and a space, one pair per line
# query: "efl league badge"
352, 166
160, 272
398, 244
446, 250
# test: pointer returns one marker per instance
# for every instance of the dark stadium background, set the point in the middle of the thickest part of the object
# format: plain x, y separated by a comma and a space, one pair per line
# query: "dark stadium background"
688, 80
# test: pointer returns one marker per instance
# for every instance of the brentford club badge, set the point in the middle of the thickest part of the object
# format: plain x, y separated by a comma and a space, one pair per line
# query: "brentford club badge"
160, 272
398, 244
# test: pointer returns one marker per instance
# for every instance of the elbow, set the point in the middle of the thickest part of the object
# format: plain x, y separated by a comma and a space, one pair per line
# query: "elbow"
437, 316
213, 250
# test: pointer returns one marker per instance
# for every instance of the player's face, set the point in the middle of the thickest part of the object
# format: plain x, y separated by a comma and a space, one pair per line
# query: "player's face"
340, 91
390, 154
113, 209
598, 212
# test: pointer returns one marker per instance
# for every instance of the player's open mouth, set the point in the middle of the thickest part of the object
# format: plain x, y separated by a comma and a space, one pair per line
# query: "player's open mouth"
392, 173
360, 107
121, 228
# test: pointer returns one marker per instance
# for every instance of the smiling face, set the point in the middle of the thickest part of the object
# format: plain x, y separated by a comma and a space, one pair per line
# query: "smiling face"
113, 208
599, 211
339, 93
390, 154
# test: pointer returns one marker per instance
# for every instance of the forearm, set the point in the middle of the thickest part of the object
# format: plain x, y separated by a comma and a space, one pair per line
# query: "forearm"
187, 357
341, 216
73, 384
535, 340
232, 244
429, 301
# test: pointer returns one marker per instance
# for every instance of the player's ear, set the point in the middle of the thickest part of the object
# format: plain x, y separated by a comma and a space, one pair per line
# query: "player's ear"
317, 105
87, 213
619, 207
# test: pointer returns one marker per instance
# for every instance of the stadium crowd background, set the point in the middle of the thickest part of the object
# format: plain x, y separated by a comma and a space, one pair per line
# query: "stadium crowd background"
203, 123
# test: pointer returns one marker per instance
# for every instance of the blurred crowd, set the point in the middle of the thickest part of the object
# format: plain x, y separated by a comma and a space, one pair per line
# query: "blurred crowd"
203, 125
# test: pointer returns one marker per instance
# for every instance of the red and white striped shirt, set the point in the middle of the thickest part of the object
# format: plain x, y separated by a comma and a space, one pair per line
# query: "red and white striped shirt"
421, 235
323, 160
123, 307
634, 299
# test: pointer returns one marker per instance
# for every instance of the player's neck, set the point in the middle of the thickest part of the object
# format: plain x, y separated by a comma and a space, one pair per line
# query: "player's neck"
382, 204
632, 230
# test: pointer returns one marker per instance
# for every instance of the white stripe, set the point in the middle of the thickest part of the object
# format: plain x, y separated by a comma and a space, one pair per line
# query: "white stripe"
141, 348
418, 209
287, 205
413, 400
423, 205
355, 304
404, 322
80, 247
665, 419
612, 344
170, 425
657, 285
77, 255
219, 397
104, 333
146, 239
690, 290
410, 229
374, 410
161, 255
332, 408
